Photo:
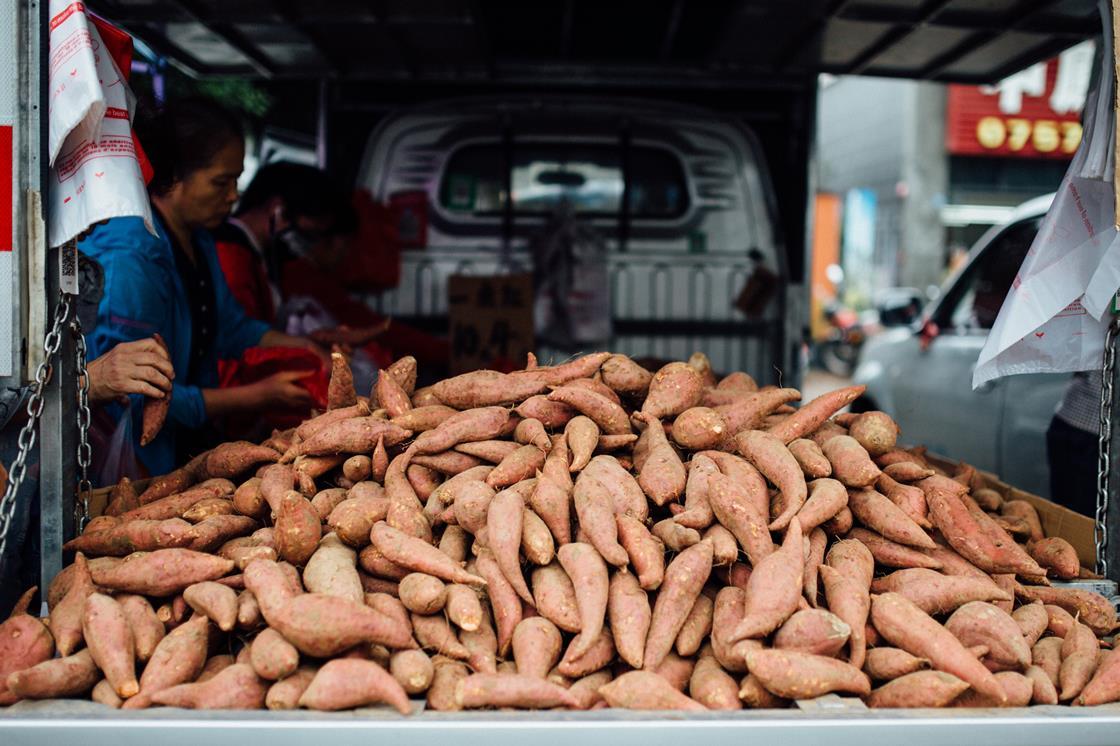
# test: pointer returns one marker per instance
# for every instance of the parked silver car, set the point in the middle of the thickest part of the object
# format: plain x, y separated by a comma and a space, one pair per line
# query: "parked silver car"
922, 375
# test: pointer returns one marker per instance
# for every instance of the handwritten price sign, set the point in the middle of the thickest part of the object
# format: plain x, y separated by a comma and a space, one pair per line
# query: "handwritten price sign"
491, 321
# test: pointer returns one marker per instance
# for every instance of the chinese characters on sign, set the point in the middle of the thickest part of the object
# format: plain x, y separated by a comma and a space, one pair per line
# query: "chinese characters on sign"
491, 321
1034, 113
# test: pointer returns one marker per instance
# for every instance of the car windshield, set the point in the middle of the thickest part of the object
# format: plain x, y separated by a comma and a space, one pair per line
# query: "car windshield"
979, 295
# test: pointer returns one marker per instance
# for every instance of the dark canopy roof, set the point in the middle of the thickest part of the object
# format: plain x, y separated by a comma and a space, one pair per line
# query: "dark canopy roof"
641, 42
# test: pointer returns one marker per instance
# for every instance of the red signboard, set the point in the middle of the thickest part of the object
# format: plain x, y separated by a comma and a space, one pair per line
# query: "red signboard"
7, 174
976, 125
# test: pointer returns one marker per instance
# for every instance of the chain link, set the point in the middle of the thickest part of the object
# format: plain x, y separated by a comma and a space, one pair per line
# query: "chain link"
1104, 445
85, 452
27, 435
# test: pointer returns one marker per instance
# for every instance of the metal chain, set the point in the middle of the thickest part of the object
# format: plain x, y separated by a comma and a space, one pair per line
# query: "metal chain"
1104, 444
27, 435
85, 451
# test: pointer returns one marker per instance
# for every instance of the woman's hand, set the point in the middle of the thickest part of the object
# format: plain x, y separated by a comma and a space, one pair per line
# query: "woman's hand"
140, 367
280, 391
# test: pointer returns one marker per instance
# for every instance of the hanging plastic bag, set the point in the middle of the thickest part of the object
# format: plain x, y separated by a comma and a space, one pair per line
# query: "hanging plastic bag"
1055, 315
95, 171
571, 282
114, 453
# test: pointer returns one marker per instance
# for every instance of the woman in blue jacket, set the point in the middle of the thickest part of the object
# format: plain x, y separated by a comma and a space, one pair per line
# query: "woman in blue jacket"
171, 282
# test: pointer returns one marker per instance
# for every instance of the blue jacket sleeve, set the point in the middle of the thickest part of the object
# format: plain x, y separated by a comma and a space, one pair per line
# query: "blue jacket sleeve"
138, 302
236, 331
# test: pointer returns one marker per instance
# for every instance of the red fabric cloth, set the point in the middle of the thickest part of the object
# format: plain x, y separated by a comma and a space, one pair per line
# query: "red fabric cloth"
245, 274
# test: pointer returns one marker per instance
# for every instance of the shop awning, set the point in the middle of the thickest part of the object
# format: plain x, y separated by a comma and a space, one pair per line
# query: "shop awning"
718, 43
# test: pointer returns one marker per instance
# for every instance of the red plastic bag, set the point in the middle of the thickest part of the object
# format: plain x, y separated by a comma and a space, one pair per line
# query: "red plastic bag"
258, 363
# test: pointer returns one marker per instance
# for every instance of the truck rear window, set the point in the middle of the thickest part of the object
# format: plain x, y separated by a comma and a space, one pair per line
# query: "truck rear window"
589, 176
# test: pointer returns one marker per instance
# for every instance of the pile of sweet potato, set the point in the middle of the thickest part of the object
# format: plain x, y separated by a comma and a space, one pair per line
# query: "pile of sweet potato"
578, 536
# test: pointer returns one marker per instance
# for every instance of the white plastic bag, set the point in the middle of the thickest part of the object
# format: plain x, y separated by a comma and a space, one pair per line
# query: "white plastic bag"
1055, 315
95, 174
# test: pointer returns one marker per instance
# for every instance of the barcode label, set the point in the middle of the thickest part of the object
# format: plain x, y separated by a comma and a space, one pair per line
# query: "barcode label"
68, 267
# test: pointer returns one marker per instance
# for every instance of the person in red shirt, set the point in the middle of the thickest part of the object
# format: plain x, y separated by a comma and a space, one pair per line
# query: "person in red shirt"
285, 203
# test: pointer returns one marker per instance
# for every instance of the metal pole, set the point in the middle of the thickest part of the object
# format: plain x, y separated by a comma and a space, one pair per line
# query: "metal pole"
58, 446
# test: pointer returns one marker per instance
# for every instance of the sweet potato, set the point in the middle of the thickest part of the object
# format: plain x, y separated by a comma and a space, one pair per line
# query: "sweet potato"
811, 458
676, 670
531, 432
214, 531
736, 510
504, 518
435, 633
357, 468
109, 638
147, 629
935, 593
906, 626
248, 611
56, 678
674, 536
645, 690
1017, 689
422, 419
518, 465
696, 628
463, 607
208, 508
537, 543
918, 689
345, 683
1056, 555
662, 477
875, 431
285, 694
673, 389
645, 551
813, 631
1042, 688
413, 670
446, 676
423, 594
697, 512
813, 414
586, 689
887, 664
700, 428
555, 598
979, 623
725, 549
465, 427
403, 371
606, 414
332, 570
171, 483
774, 588
595, 511
629, 614
625, 491
340, 389
536, 646
726, 614
827, 497
103, 694
712, 687
504, 601
322, 626
588, 573
1032, 620
174, 505
65, 620
122, 498
298, 529
214, 601
1104, 687
626, 377
390, 395
273, 657
551, 414
353, 518
1090, 608
892, 554
160, 573
215, 665
1080, 655
511, 690
352, 435
419, 556
851, 463
911, 500
248, 499
1047, 655
1023, 509
232, 459
771, 457
907, 471
684, 579
582, 436
794, 675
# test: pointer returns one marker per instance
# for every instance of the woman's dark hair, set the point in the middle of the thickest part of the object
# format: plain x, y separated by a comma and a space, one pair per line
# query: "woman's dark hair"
184, 136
